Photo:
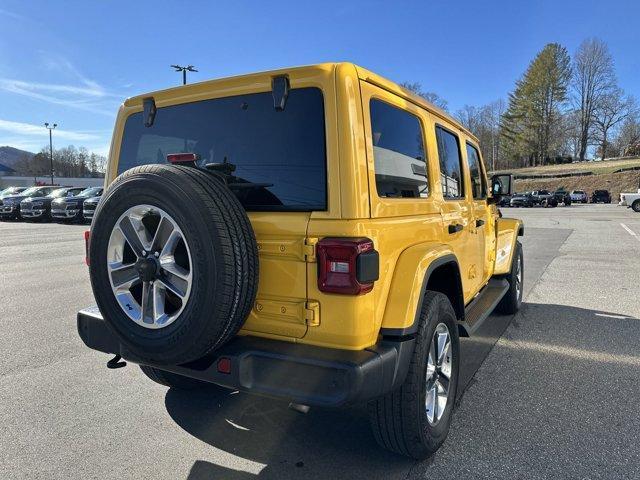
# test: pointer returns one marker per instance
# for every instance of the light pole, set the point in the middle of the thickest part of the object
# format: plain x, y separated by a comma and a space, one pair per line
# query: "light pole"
184, 70
46, 124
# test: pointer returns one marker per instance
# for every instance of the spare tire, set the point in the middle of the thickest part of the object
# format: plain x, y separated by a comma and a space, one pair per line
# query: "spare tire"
173, 262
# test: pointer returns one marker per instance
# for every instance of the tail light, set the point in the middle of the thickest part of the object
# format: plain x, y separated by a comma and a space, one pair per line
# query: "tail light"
87, 236
183, 157
348, 266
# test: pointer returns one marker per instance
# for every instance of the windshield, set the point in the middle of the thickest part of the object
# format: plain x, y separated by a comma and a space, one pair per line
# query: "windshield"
90, 192
31, 191
281, 153
543, 192
601, 192
60, 192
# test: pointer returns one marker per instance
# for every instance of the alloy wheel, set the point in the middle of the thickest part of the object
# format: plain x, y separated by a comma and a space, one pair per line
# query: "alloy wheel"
438, 375
149, 266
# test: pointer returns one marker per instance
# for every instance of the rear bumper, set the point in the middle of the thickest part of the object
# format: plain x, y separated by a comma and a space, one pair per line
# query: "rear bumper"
302, 374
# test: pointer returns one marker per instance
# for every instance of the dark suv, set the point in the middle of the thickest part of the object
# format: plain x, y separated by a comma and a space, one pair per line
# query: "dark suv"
70, 208
601, 196
10, 206
39, 207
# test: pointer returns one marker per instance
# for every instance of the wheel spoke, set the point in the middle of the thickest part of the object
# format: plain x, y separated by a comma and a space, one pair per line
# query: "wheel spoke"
158, 302
442, 341
123, 277
162, 235
132, 235
441, 400
170, 244
434, 402
147, 314
175, 283
443, 380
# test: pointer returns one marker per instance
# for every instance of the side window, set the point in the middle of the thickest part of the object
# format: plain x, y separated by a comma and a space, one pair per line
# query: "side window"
450, 164
478, 182
398, 152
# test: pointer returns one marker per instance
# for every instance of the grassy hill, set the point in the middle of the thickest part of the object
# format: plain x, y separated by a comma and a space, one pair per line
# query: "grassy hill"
599, 176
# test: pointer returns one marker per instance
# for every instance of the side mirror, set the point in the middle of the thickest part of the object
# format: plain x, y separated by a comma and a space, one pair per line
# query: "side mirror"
502, 185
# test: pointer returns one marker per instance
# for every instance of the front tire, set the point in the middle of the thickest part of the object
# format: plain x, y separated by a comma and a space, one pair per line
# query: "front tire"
635, 206
414, 420
512, 300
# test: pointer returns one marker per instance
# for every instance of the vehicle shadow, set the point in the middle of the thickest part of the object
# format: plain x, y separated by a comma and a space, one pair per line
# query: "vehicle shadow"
265, 438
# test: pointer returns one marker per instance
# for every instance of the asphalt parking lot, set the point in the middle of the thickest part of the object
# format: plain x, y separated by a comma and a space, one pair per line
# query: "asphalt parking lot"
556, 397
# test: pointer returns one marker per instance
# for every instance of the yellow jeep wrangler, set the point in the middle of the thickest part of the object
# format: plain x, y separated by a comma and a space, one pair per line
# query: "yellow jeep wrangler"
317, 234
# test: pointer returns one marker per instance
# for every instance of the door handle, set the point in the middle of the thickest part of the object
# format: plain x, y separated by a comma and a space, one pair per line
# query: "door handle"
479, 223
455, 228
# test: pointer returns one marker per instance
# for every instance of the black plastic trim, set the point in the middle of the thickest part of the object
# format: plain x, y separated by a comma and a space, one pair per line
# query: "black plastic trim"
413, 328
303, 374
368, 267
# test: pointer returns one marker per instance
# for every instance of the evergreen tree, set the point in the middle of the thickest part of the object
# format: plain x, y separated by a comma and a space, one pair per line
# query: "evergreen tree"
531, 124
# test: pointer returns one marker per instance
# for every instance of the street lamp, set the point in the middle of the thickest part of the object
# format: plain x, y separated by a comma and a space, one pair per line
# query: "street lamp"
184, 70
46, 124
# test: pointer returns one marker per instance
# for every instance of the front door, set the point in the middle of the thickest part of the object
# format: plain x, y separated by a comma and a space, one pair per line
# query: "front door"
483, 226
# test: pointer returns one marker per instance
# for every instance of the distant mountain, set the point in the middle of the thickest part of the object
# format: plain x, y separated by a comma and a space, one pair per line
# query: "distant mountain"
9, 155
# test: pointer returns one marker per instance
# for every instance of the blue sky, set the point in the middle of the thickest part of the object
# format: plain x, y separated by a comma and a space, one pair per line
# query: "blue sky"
73, 62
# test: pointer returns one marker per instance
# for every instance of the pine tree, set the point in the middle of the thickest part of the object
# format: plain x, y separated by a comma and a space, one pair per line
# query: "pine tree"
534, 115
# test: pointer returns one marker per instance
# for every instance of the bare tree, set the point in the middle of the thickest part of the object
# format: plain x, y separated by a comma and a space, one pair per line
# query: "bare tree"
416, 87
593, 78
627, 141
612, 109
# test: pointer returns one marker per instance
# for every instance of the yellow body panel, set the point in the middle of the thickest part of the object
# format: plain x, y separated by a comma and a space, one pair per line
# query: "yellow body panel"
507, 236
408, 233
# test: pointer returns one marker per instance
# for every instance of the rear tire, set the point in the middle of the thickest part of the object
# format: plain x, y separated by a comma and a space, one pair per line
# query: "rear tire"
179, 382
401, 420
512, 300
635, 206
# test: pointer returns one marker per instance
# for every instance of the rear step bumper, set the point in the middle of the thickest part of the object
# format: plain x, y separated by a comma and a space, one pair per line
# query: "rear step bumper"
302, 374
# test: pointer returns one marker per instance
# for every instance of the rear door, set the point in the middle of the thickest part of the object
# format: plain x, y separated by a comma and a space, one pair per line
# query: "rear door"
457, 210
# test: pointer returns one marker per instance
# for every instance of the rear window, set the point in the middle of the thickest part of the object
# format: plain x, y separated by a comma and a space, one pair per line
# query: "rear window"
282, 153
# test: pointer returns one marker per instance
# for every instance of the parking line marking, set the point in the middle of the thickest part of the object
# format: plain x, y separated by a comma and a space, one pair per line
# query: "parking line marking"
630, 232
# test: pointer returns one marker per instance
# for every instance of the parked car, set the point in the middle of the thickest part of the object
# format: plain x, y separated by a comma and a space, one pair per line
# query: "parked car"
10, 205
522, 200
601, 196
505, 201
70, 208
579, 196
631, 200
562, 196
89, 207
173, 249
544, 198
39, 207
11, 191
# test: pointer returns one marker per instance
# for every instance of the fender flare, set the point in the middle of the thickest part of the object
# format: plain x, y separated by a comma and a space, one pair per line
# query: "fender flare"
443, 259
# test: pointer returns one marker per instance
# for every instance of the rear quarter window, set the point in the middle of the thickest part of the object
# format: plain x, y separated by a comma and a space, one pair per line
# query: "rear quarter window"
398, 152
283, 153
